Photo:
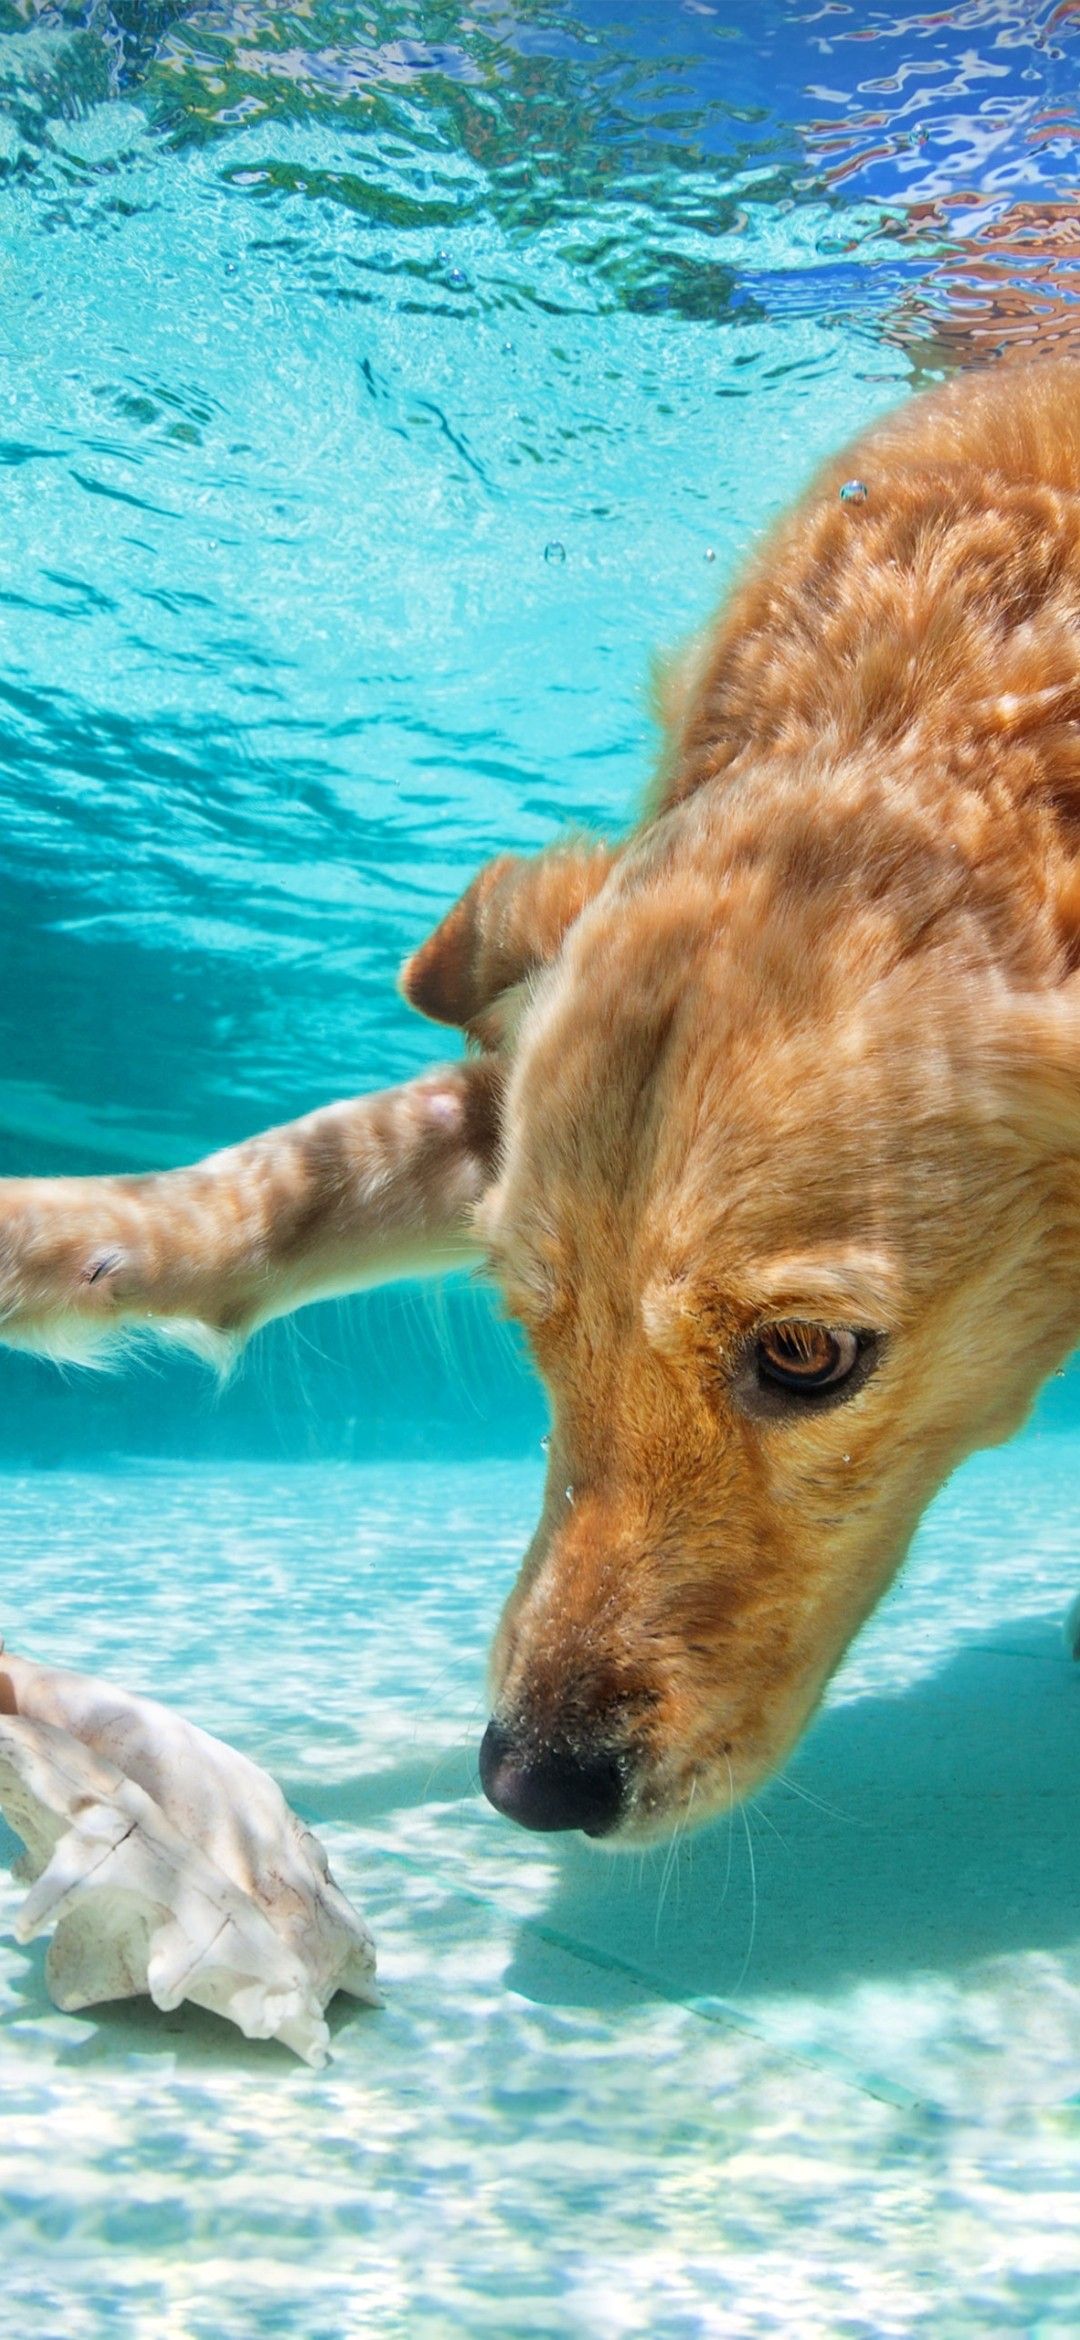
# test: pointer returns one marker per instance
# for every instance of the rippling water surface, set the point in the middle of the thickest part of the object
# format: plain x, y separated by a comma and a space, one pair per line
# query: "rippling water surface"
379, 389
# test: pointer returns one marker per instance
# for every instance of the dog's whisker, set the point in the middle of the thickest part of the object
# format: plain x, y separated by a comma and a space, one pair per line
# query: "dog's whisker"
760, 1813
745, 1967
818, 1803
730, 1830
686, 1831
670, 1864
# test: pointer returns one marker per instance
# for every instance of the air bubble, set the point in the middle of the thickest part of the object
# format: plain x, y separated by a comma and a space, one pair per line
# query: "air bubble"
555, 551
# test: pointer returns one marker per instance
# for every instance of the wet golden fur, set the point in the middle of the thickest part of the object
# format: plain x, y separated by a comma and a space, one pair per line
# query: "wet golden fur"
806, 1048
811, 1053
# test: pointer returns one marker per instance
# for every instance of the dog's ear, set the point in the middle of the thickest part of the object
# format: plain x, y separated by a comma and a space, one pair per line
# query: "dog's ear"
508, 923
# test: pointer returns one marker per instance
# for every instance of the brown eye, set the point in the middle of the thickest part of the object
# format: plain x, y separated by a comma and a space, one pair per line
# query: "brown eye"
797, 1355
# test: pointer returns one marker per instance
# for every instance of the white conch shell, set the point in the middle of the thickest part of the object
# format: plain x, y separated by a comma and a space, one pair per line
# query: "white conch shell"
168, 1863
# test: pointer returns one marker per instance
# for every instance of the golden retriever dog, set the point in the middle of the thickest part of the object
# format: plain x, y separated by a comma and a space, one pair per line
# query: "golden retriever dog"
769, 1132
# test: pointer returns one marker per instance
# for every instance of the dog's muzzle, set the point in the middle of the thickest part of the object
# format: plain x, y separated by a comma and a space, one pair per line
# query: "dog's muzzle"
552, 1786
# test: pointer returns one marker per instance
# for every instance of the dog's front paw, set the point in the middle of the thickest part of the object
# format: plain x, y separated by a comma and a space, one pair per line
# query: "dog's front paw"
73, 1264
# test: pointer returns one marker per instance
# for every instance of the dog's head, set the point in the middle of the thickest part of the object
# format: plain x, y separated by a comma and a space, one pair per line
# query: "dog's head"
788, 1206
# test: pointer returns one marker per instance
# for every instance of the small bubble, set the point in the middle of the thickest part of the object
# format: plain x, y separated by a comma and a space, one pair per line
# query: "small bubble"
569, 1494
710, 552
854, 491
555, 551
545, 1446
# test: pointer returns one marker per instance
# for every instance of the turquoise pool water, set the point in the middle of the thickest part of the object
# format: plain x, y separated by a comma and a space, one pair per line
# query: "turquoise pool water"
379, 389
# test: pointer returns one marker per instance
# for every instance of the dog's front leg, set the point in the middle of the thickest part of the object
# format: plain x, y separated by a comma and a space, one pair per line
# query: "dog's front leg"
355, 1194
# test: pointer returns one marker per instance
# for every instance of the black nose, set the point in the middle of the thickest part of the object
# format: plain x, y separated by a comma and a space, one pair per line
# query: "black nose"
552, 1787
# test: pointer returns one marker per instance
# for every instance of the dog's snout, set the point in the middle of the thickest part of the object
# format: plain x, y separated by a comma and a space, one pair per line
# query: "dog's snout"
550, 1787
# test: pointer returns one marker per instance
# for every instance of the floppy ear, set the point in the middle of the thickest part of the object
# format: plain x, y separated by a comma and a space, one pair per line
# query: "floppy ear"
509, 922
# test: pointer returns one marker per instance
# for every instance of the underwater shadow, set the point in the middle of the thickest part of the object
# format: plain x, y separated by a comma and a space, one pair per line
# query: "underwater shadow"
925, 1832
440, 1775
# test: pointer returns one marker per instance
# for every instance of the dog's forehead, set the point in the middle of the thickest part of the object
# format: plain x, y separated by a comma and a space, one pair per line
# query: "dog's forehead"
674, 1113
639, 1120
646, 1053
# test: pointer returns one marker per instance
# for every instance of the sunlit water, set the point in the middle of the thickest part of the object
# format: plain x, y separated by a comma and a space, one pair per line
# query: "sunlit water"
378, 392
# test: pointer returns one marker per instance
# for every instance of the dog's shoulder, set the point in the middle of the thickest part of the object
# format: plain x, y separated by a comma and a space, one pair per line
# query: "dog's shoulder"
924, 591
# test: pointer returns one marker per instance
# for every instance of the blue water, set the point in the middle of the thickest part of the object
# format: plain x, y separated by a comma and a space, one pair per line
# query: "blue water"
379, 390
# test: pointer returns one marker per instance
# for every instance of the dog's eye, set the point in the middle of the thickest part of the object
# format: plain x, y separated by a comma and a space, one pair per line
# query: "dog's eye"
796, 1367
797, 1355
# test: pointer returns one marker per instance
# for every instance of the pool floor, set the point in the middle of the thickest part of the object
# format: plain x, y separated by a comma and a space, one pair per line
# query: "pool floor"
815, 2071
